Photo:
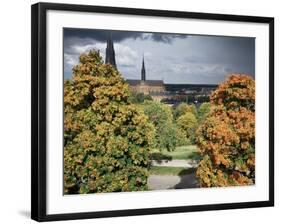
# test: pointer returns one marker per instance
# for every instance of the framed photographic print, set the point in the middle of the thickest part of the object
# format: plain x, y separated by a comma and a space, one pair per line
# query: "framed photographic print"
139, 111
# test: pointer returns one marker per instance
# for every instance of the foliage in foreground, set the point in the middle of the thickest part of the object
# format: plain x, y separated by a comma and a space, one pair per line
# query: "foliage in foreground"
226, 138
106, 139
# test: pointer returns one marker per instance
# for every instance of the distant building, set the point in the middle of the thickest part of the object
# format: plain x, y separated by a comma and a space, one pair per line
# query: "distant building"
203, 89
155, 88
110, 53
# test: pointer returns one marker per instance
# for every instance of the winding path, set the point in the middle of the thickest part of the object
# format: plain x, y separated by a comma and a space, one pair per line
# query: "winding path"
161, 182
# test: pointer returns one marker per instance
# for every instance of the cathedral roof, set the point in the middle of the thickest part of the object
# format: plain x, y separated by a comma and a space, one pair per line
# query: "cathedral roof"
135, 82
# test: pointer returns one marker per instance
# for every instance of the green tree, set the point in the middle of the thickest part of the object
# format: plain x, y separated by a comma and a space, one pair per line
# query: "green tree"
203, 110
226, 138
167, 136
183, 108
139, 97
166, 131
188, 123
192, 109
181, 137
106, 139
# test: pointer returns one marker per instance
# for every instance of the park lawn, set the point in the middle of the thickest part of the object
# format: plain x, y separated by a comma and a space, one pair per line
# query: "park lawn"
181, 153
167, 170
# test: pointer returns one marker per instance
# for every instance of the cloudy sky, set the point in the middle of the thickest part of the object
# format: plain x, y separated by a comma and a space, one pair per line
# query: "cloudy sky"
173, 58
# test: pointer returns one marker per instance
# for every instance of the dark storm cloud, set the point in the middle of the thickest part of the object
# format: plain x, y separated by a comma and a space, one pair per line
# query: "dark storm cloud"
99, 35
215, 48
173, 58
118, 36
163, 37
237, 54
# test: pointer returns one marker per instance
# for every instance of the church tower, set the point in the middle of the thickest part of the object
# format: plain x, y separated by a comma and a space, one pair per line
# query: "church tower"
143, 78
110, 53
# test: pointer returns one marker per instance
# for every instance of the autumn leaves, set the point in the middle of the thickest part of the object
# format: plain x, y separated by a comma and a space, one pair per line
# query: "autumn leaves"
226, 139
107, 139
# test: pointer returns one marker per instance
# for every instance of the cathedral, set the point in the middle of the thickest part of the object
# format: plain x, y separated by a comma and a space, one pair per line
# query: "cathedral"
110, 53
151, 87
155, 88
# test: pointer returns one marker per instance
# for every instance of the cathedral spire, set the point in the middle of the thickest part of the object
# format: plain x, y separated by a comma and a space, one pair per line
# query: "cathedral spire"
143, 78
110, 53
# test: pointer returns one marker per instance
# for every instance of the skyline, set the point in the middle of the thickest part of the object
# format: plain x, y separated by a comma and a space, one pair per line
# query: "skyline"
173, 58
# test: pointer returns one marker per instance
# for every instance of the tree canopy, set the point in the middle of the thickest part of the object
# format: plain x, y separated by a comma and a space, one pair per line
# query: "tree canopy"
183, 108
226, 138
167, 134
188, 123
203, 110
106, 139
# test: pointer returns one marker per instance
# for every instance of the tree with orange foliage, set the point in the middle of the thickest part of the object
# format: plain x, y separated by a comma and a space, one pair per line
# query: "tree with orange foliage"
226, 138
106, 138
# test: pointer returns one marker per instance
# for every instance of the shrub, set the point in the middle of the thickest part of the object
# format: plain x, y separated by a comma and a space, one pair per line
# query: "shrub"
106, 139
226, 138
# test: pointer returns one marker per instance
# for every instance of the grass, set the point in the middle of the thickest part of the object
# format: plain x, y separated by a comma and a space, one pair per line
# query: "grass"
167, 170
181, 153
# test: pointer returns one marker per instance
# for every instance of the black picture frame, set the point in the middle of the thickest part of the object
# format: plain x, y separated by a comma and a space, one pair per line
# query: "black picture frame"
38, 108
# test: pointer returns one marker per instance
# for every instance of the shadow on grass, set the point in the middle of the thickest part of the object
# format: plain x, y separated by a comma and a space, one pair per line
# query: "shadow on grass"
159, 157
187, 171
194, 156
